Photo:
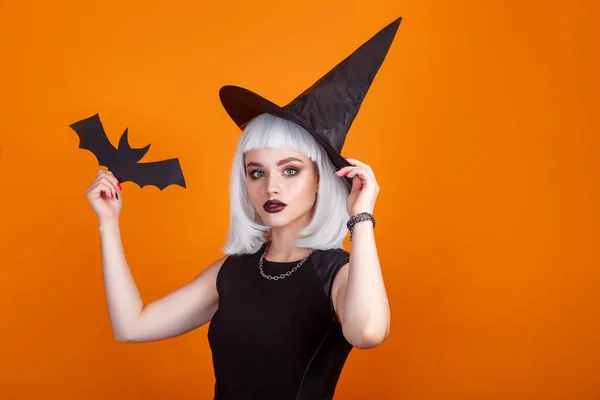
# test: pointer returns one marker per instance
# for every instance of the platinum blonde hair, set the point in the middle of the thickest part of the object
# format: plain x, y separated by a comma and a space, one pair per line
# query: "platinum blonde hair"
247, 232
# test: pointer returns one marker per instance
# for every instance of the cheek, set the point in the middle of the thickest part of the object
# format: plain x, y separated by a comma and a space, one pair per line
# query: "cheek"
305, 195
253, 191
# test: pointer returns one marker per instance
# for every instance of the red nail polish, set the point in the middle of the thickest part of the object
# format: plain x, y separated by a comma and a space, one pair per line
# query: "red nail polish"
119, 186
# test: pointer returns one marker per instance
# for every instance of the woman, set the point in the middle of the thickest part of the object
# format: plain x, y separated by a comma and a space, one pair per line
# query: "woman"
287, 303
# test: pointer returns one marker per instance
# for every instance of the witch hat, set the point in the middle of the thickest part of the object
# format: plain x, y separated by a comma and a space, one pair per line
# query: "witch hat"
328, 107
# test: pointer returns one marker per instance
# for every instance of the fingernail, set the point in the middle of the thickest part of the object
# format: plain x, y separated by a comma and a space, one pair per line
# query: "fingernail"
117, 194
111, 194
119, 186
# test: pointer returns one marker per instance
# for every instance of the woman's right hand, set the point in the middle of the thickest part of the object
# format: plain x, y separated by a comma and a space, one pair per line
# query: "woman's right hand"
104, 194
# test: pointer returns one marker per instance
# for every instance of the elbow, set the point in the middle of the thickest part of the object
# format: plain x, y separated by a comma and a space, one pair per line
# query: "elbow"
368, 338
126, 332
124, 336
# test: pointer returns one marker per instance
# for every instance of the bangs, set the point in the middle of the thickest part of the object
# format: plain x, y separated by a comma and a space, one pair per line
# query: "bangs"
268, 131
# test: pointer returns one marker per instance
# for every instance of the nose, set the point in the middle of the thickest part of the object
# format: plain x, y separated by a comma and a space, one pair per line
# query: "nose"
270, 191
272, 186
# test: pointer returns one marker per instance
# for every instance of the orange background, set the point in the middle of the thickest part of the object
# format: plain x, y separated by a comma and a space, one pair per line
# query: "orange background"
480, 128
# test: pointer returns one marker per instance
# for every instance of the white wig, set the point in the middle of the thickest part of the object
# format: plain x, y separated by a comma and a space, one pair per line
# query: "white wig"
247, 231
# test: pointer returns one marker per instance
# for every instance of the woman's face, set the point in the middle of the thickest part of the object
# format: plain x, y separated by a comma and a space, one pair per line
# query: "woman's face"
281, 175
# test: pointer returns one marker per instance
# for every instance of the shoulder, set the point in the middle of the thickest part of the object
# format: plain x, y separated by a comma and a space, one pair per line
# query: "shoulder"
213, 270
331, 258
327, 264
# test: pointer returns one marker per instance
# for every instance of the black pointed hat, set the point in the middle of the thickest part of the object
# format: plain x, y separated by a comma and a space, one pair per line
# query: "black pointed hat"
328, 107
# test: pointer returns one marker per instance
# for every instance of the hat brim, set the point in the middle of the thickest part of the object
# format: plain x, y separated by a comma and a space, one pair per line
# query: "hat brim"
242, 105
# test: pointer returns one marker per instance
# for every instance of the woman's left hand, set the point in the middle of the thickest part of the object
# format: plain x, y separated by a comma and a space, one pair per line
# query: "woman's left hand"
364, 187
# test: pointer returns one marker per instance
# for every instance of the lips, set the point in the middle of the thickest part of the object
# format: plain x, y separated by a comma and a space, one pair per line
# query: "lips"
274, 206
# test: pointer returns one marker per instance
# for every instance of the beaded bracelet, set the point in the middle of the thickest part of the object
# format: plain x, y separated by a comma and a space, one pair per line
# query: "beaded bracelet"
365, 216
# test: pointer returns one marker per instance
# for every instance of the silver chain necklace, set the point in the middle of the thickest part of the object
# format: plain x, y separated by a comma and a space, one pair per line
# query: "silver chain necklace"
281, 276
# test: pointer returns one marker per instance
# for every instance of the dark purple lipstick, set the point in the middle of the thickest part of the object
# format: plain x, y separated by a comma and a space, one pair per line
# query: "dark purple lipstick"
274, 206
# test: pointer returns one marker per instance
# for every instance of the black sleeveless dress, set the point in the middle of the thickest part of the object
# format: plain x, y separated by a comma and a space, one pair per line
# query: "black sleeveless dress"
277, 339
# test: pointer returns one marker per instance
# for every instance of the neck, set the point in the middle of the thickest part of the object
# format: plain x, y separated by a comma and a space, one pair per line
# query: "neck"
282, 248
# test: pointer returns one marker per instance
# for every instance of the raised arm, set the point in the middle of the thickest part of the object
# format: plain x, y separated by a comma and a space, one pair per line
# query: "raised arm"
180, 311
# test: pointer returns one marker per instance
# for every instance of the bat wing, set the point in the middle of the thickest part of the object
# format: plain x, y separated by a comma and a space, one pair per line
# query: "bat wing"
92, 137
123, 162
159, 173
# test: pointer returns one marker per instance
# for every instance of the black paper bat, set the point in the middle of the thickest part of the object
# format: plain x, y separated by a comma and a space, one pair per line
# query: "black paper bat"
123, 162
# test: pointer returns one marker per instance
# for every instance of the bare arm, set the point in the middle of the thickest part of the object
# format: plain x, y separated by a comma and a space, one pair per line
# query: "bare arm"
359, 294
186, 308
180, 311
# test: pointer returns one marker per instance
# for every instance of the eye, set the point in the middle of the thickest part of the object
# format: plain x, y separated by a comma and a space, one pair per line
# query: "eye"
294, 171
253, 173
257, 173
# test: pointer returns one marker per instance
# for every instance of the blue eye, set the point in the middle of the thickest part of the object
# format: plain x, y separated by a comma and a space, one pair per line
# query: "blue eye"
253, 173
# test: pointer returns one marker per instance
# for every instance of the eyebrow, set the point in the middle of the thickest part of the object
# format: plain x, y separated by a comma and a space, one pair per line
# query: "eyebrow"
280, 162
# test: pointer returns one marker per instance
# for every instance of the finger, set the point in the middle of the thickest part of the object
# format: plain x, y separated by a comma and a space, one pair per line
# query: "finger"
109, 175
366, 168
103, 171
358, 171
361, 164
109, 181
357, 185
101, 190
343, 170
364, 176
355, 162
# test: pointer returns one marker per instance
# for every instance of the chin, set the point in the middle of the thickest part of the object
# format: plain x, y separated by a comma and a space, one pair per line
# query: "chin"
281, 218
275, 220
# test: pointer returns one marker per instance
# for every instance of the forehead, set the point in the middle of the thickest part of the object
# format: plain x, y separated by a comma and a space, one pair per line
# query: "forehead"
270, 155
